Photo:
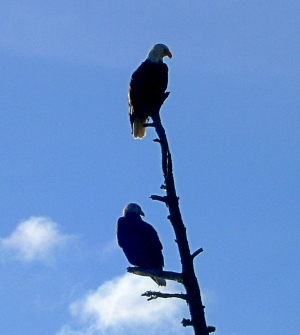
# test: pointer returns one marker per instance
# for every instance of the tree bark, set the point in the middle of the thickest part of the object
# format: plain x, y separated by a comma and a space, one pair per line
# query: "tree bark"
189, 279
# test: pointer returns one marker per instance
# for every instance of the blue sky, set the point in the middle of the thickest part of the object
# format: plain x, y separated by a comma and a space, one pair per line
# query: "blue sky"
69, 164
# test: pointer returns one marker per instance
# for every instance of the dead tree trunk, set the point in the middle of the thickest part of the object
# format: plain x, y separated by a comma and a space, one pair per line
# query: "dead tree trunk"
189, 279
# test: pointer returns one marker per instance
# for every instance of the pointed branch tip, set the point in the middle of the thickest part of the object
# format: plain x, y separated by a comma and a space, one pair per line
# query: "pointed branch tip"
159, 198
196, 253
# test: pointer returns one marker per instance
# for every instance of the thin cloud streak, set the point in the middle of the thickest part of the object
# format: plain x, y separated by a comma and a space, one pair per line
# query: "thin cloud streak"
59, 31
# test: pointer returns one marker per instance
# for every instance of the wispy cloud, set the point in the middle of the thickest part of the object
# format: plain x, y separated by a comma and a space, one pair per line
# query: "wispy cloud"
117, 307
34, 239
110, 248
63, 30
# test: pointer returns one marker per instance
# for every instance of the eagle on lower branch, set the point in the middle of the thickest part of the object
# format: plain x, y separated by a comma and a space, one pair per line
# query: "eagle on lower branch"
139, 241
147, 89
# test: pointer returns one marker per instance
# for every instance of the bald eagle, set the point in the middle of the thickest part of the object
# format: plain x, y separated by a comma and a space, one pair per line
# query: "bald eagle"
147, 89
139, 241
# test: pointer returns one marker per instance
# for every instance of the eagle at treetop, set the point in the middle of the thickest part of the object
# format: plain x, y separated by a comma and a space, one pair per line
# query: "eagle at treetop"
139, 241
147, 89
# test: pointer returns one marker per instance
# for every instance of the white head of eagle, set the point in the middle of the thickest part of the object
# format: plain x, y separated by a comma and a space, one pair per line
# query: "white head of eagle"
158, 52
140, 241
147, 89
133, 208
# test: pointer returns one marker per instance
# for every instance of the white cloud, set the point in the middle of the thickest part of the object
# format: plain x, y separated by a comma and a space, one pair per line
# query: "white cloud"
34, 239
117, 307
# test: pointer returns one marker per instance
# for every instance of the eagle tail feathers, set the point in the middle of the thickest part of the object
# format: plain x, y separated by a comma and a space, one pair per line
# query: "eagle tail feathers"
139, 131
159, 281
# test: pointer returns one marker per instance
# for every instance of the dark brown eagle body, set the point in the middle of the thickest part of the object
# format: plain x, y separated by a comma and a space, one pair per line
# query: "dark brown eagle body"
140, 242
147, 89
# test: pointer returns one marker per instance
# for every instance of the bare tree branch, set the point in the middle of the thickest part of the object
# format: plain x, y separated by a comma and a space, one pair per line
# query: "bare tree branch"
149, 125
197, 252
186, 322
154, 295
156, 273
211, 329
171, 200
159, 198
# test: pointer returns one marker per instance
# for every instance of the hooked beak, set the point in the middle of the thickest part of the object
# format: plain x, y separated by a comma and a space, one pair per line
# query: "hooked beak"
169, 54
142, 213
